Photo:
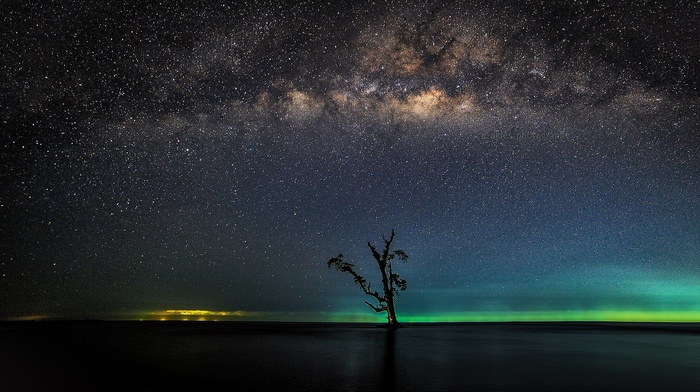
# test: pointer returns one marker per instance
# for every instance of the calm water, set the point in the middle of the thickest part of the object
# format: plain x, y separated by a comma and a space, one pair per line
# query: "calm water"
168, 356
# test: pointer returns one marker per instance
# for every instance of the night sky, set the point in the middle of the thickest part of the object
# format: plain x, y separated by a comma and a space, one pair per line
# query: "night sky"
538, 160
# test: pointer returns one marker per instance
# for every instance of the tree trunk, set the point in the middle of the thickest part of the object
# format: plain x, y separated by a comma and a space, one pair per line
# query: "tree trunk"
391, 313
389, 297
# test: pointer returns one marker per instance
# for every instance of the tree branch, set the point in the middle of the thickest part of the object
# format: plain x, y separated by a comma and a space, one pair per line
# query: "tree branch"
376, 254
387, 245
343, 266
400, 254
378, 309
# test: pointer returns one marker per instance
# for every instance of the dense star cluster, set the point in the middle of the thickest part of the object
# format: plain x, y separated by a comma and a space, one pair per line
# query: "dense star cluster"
532, 156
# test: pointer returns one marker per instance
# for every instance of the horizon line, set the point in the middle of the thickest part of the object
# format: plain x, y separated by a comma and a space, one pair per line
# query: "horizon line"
606, 315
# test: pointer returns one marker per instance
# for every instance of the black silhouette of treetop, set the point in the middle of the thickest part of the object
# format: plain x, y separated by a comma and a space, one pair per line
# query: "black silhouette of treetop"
392, 283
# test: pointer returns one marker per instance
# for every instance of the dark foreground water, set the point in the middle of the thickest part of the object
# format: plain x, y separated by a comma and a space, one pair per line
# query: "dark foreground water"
198, 356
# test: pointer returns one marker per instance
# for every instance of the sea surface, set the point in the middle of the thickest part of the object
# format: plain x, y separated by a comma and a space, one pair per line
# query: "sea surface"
231, 356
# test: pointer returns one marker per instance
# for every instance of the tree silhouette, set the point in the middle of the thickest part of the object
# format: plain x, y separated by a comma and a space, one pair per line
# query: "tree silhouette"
392, 283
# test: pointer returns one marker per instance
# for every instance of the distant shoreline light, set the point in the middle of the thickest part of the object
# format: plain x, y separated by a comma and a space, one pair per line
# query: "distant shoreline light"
199, 314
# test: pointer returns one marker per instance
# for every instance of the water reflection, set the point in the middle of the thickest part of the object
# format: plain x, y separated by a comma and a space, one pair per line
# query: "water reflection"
388, 376
221, 356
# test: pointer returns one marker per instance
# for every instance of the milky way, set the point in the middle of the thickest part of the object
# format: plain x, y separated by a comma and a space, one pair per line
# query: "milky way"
535, 158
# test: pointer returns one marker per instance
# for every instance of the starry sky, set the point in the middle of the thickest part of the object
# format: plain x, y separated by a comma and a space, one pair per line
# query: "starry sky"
538, 160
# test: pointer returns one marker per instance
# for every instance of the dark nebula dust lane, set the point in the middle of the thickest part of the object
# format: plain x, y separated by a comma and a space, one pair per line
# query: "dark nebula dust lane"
537, 159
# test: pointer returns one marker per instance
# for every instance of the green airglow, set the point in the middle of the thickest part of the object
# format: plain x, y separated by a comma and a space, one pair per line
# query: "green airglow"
605, 315
553, 316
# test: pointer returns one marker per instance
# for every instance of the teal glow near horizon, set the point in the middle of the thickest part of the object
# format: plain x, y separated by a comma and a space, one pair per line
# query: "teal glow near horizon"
601, 293
534, 316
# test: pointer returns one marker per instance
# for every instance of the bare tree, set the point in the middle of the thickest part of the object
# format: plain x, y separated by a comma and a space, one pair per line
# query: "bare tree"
392, 283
